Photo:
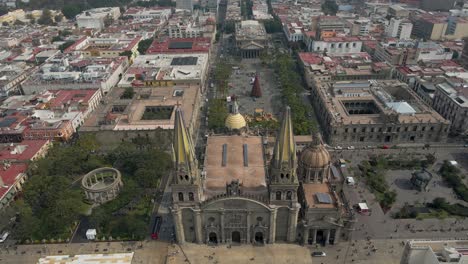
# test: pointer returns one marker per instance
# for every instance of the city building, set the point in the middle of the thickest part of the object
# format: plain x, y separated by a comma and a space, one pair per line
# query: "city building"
70, 71
336, 45
359, 27
12, 178
148, 13
97, 18
402, 52
150, 113
351, 66
185, 4
435, 252
25, 151
167, 69
398, 11
398, 28
233, 11
11, 76
375, 112
180, 46
105, 47
194, 25
293, 31
451, 101
242, 197
251, 38
424, 77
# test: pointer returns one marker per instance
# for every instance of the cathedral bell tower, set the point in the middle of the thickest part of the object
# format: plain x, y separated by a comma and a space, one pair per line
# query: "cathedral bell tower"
186, 184
283, 182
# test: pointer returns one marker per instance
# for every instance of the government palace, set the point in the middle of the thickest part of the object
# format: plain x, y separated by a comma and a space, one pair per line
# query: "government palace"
248, 192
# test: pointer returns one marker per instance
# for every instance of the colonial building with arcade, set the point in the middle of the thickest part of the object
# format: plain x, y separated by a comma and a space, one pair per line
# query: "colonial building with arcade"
246, 192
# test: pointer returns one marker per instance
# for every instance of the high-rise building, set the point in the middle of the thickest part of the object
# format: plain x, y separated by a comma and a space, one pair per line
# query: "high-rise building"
398, 28
185, 4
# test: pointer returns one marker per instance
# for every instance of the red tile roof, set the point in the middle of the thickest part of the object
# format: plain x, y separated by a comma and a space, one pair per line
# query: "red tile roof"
9, 176
162, 46
32, 147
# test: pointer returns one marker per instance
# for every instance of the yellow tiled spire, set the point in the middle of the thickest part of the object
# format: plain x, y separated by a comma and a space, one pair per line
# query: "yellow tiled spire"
285, 148
183, 151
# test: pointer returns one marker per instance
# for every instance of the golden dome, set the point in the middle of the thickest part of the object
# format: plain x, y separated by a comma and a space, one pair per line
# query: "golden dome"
315, 157
235, 121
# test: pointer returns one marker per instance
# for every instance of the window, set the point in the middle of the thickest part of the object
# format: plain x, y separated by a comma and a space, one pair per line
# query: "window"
333, 45
380, 129
278, 195
346, 130
398, 129
190, 196
289, 195
186, 177
363, 129
372, 129
406, 129
423, 128
354, 45
389, 129
339, 45
415, 128
181, 197
347, 45
354, 130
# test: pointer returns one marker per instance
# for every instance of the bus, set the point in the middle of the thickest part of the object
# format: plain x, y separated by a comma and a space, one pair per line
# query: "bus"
156, 227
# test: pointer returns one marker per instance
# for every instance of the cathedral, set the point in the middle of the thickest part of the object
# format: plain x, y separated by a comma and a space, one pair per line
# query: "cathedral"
241, 195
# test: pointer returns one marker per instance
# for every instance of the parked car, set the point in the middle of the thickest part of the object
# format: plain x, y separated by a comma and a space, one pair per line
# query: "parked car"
351, 148
338, 148
319, 254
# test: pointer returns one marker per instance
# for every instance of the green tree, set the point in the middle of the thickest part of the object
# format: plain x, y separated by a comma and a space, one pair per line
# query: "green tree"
58, 18
144, 45
19, 22
128, 93
46, 18
71, 10
330, 7
65, 45
127, 53
57, 38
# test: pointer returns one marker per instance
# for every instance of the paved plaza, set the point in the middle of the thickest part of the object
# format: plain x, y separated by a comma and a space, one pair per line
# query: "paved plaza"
240, 85
153, 252
225, 254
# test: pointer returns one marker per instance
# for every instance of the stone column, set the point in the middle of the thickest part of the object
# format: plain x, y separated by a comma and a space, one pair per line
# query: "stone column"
293, 213
272, 225
249, 213
179, 227
337, 236
306, 236
314, 239
198, 227
223, 236
327, 237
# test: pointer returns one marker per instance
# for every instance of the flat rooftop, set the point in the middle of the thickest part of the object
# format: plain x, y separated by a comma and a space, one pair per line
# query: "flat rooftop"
230, 158
319, 195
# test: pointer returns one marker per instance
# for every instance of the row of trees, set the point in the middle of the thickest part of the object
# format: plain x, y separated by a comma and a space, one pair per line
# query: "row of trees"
451, 175
291, 89
374, 174
217, 107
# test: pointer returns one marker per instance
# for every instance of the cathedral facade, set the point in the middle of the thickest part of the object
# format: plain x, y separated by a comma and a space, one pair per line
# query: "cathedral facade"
240, 195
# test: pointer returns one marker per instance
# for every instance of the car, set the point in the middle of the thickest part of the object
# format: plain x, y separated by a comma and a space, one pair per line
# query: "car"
351, 148
4, 236
338, 148
319, 254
